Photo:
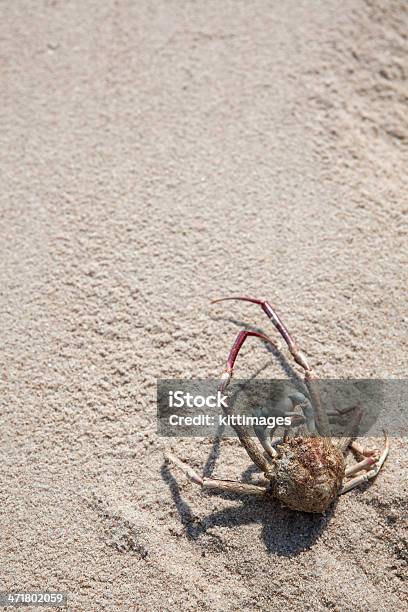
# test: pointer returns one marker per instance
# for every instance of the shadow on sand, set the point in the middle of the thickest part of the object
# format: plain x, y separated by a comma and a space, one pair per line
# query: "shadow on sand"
284, 532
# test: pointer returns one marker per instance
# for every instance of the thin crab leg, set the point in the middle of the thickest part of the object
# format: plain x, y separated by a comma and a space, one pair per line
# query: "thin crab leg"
269, 310
246, 440
310, 378
212, 484
258, 479
236, 347
361, 465
370, 457
335, 411
354, 482
344, 442
361, 450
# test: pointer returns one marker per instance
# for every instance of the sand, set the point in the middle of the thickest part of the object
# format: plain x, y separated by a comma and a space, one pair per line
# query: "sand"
156, 155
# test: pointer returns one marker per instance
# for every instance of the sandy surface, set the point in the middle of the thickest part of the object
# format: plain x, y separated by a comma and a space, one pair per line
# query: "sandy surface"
155, 155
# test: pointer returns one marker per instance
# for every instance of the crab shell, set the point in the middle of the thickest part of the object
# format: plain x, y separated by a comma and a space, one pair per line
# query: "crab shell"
307, 473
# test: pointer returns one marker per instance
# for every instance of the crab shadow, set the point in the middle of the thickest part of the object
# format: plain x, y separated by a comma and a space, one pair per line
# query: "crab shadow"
284, 532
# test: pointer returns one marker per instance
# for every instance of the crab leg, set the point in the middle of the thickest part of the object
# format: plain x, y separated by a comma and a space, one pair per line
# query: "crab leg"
188, 471
354, 482
232, 486
261, 481
348, 440
236, 347
361, 465
246, 440
297, 354
361, 450
212, 484
278, 323
341, 411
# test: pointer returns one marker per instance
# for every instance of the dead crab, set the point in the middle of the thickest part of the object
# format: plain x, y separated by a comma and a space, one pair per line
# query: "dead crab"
307, 472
